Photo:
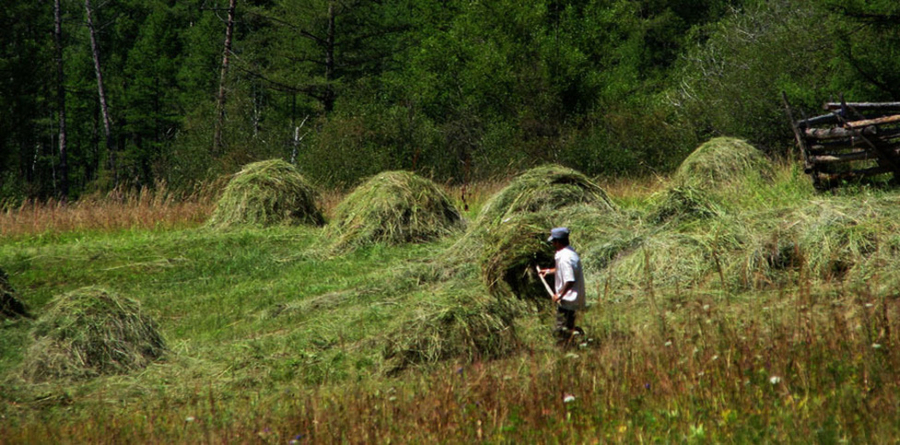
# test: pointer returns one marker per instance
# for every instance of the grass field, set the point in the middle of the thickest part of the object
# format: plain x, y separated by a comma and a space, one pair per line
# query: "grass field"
773, 319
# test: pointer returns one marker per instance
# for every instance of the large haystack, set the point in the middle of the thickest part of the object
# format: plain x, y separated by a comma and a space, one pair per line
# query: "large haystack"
722, 161
394, 208
264, 194
541, 189
10, 305
91, 332
555, 195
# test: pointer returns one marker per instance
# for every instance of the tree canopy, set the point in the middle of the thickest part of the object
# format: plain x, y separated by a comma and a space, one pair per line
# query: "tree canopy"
454, 90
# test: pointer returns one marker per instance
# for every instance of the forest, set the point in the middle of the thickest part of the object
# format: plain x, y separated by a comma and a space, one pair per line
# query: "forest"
126, 94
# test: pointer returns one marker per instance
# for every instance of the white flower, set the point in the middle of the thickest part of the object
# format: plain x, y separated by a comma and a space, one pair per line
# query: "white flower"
774, 380
876, 345
569, 398
669, 343
189, 419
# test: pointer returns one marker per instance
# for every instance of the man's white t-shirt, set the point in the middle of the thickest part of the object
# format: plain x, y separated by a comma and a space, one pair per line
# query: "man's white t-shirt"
568, 268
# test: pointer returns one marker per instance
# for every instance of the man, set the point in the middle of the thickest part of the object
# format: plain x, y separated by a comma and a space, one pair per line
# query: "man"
569, 282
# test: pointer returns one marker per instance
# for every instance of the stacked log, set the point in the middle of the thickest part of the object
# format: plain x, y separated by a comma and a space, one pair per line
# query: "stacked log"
852, 142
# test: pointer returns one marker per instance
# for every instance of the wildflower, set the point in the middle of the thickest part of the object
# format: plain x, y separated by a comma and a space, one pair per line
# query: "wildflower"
572, 355
647, 385
568, 398
189, 419
876, 345
774, 380
668, 343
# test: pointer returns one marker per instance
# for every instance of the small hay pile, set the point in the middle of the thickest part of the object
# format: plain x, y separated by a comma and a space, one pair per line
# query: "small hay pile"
264, 194
91, 332
10, 306
543, 189
462, 326
691, 258
683, 204
723, 161
394, 208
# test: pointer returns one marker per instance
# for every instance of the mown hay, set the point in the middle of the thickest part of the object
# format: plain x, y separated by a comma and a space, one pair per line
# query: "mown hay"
541, 189
722, 161
264, 194
684, 260
511, 252
467, 327
91, 332
10, 305
394, 208
683, 204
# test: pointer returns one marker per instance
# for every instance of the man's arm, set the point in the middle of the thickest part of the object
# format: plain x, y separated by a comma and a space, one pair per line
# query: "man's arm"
567, 286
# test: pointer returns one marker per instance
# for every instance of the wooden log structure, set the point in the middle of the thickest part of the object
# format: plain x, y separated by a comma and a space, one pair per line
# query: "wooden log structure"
854, 141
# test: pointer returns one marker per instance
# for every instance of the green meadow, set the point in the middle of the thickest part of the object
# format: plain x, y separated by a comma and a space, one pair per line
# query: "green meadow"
750, 310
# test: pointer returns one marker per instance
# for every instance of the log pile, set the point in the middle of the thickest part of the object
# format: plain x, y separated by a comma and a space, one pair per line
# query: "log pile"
852, 142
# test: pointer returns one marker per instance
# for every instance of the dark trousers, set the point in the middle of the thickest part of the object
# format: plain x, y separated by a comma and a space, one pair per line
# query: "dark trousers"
565, 321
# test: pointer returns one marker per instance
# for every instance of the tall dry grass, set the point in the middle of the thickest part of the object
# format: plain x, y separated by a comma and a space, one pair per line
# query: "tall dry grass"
146, 208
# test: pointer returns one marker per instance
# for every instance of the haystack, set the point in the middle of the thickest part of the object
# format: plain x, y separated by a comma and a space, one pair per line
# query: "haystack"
511, 252
541, 189
394, 208
722, 161
549, 192
10, 305
264, 194
91, 332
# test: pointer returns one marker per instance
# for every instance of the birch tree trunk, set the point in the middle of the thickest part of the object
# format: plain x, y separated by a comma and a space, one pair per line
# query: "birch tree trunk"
61, 103
104, 108
220, 100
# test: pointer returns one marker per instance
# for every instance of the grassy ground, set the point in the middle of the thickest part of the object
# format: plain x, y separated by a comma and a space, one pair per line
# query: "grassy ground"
275, 338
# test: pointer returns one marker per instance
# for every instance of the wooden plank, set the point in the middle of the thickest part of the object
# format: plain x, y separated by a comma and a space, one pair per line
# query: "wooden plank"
864, 105
801, 141
839, 132
842, 158
879, 121
825, 119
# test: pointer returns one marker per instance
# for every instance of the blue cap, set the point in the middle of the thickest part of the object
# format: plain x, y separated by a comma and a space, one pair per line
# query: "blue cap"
559, 233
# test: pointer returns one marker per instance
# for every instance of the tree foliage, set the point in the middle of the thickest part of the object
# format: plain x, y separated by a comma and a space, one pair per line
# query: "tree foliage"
452, 89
